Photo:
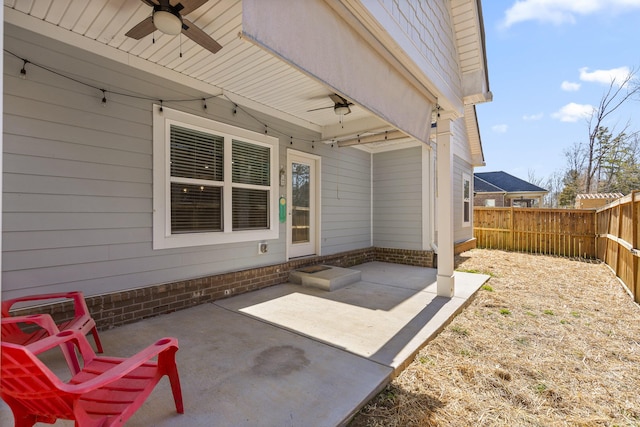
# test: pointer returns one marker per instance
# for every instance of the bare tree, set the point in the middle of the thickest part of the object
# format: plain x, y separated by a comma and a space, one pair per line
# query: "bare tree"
602, 139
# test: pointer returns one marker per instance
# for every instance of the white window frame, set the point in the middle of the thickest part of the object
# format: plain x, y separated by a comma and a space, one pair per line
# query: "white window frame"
162, 237
467, 178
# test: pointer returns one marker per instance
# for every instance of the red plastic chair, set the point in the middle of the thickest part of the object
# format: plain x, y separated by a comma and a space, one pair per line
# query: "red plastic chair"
82, 320
46, 323
107, 392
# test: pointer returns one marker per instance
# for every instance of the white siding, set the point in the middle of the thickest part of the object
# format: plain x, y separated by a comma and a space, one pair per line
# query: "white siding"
461, 146
425, 32
78, 181
397, 199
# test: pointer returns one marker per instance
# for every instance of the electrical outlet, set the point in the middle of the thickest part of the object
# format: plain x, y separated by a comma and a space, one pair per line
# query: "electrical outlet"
263, 248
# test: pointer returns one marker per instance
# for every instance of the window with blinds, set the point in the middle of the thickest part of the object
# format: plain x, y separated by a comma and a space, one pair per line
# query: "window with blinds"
197, 182
197, 172
251, 184
213, 183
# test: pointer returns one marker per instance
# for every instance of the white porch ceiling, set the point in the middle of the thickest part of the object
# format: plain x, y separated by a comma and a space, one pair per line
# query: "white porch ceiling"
242, 71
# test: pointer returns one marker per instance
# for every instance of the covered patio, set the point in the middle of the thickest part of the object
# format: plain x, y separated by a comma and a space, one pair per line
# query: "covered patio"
291, 355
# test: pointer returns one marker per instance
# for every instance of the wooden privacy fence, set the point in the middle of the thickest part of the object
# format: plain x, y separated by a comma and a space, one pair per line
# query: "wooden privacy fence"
565, 232
610, 234
618, 240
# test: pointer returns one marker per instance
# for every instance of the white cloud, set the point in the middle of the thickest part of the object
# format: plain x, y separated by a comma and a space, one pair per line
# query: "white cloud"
561, 11
570, 86
532, 117
573, 112
499, 128
605, 76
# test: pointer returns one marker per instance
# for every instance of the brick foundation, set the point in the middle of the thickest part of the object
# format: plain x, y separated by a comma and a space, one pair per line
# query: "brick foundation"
111, 310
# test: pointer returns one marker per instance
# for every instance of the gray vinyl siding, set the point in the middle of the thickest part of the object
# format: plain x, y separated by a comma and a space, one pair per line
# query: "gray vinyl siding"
78, 181
346, 200
397, 199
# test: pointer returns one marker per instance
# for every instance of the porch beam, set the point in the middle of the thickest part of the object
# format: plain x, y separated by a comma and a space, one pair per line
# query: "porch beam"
369, 139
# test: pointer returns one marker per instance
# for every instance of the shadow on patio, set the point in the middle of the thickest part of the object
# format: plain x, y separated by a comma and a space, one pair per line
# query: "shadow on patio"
290, 355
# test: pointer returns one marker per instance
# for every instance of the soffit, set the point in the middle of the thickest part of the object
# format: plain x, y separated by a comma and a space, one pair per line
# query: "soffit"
242, 71
469, 35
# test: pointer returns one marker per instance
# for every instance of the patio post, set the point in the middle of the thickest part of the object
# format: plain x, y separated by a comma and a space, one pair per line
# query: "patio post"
445, 212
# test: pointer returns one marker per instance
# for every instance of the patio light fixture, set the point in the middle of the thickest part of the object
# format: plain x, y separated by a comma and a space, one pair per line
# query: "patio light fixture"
341, 110
167, 22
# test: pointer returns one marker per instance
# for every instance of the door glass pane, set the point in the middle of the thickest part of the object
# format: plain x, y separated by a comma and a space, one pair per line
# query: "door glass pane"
300, 186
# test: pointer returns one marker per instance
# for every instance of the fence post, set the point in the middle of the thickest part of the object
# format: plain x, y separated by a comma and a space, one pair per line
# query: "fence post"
635, 280
511, 232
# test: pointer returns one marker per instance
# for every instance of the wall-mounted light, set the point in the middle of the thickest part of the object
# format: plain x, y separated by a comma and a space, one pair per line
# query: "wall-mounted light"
283, 176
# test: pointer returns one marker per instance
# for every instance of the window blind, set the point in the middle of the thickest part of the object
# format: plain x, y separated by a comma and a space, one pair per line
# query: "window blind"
250, 209
195, 208
196, 154
250, 163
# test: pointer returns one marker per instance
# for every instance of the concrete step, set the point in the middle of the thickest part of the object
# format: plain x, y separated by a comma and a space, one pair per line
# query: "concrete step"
325, 277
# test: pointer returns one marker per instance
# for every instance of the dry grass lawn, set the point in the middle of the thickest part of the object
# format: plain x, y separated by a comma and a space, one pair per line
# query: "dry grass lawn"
548, 341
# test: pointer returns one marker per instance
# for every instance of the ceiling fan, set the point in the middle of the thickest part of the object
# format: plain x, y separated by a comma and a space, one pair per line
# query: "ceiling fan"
169, 19
340, 107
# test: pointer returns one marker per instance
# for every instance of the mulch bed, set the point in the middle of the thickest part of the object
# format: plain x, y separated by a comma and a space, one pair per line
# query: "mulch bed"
548, 341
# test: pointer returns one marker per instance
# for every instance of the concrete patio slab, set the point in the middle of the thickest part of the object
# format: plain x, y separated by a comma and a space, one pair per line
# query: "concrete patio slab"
386, 317
290, 355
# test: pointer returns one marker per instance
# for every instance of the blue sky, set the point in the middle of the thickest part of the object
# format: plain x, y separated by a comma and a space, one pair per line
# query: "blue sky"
549, 62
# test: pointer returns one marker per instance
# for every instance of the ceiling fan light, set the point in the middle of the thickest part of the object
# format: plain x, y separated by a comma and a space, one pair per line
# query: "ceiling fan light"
341, 110
167, 22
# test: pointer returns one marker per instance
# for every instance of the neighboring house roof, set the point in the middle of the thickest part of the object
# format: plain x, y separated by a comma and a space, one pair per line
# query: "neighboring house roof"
600, 196
482, 186
504, 182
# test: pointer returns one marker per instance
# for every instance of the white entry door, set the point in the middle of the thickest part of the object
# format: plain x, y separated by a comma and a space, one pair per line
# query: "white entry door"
302, 204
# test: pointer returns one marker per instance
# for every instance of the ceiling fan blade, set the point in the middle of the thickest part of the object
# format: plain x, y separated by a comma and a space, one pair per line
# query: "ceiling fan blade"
149, 2
188, 6
337, 99
321, 108
143, 28
197, 35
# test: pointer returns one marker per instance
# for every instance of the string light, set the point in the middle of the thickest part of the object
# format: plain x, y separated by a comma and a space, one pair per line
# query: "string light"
23, 70
23, 75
